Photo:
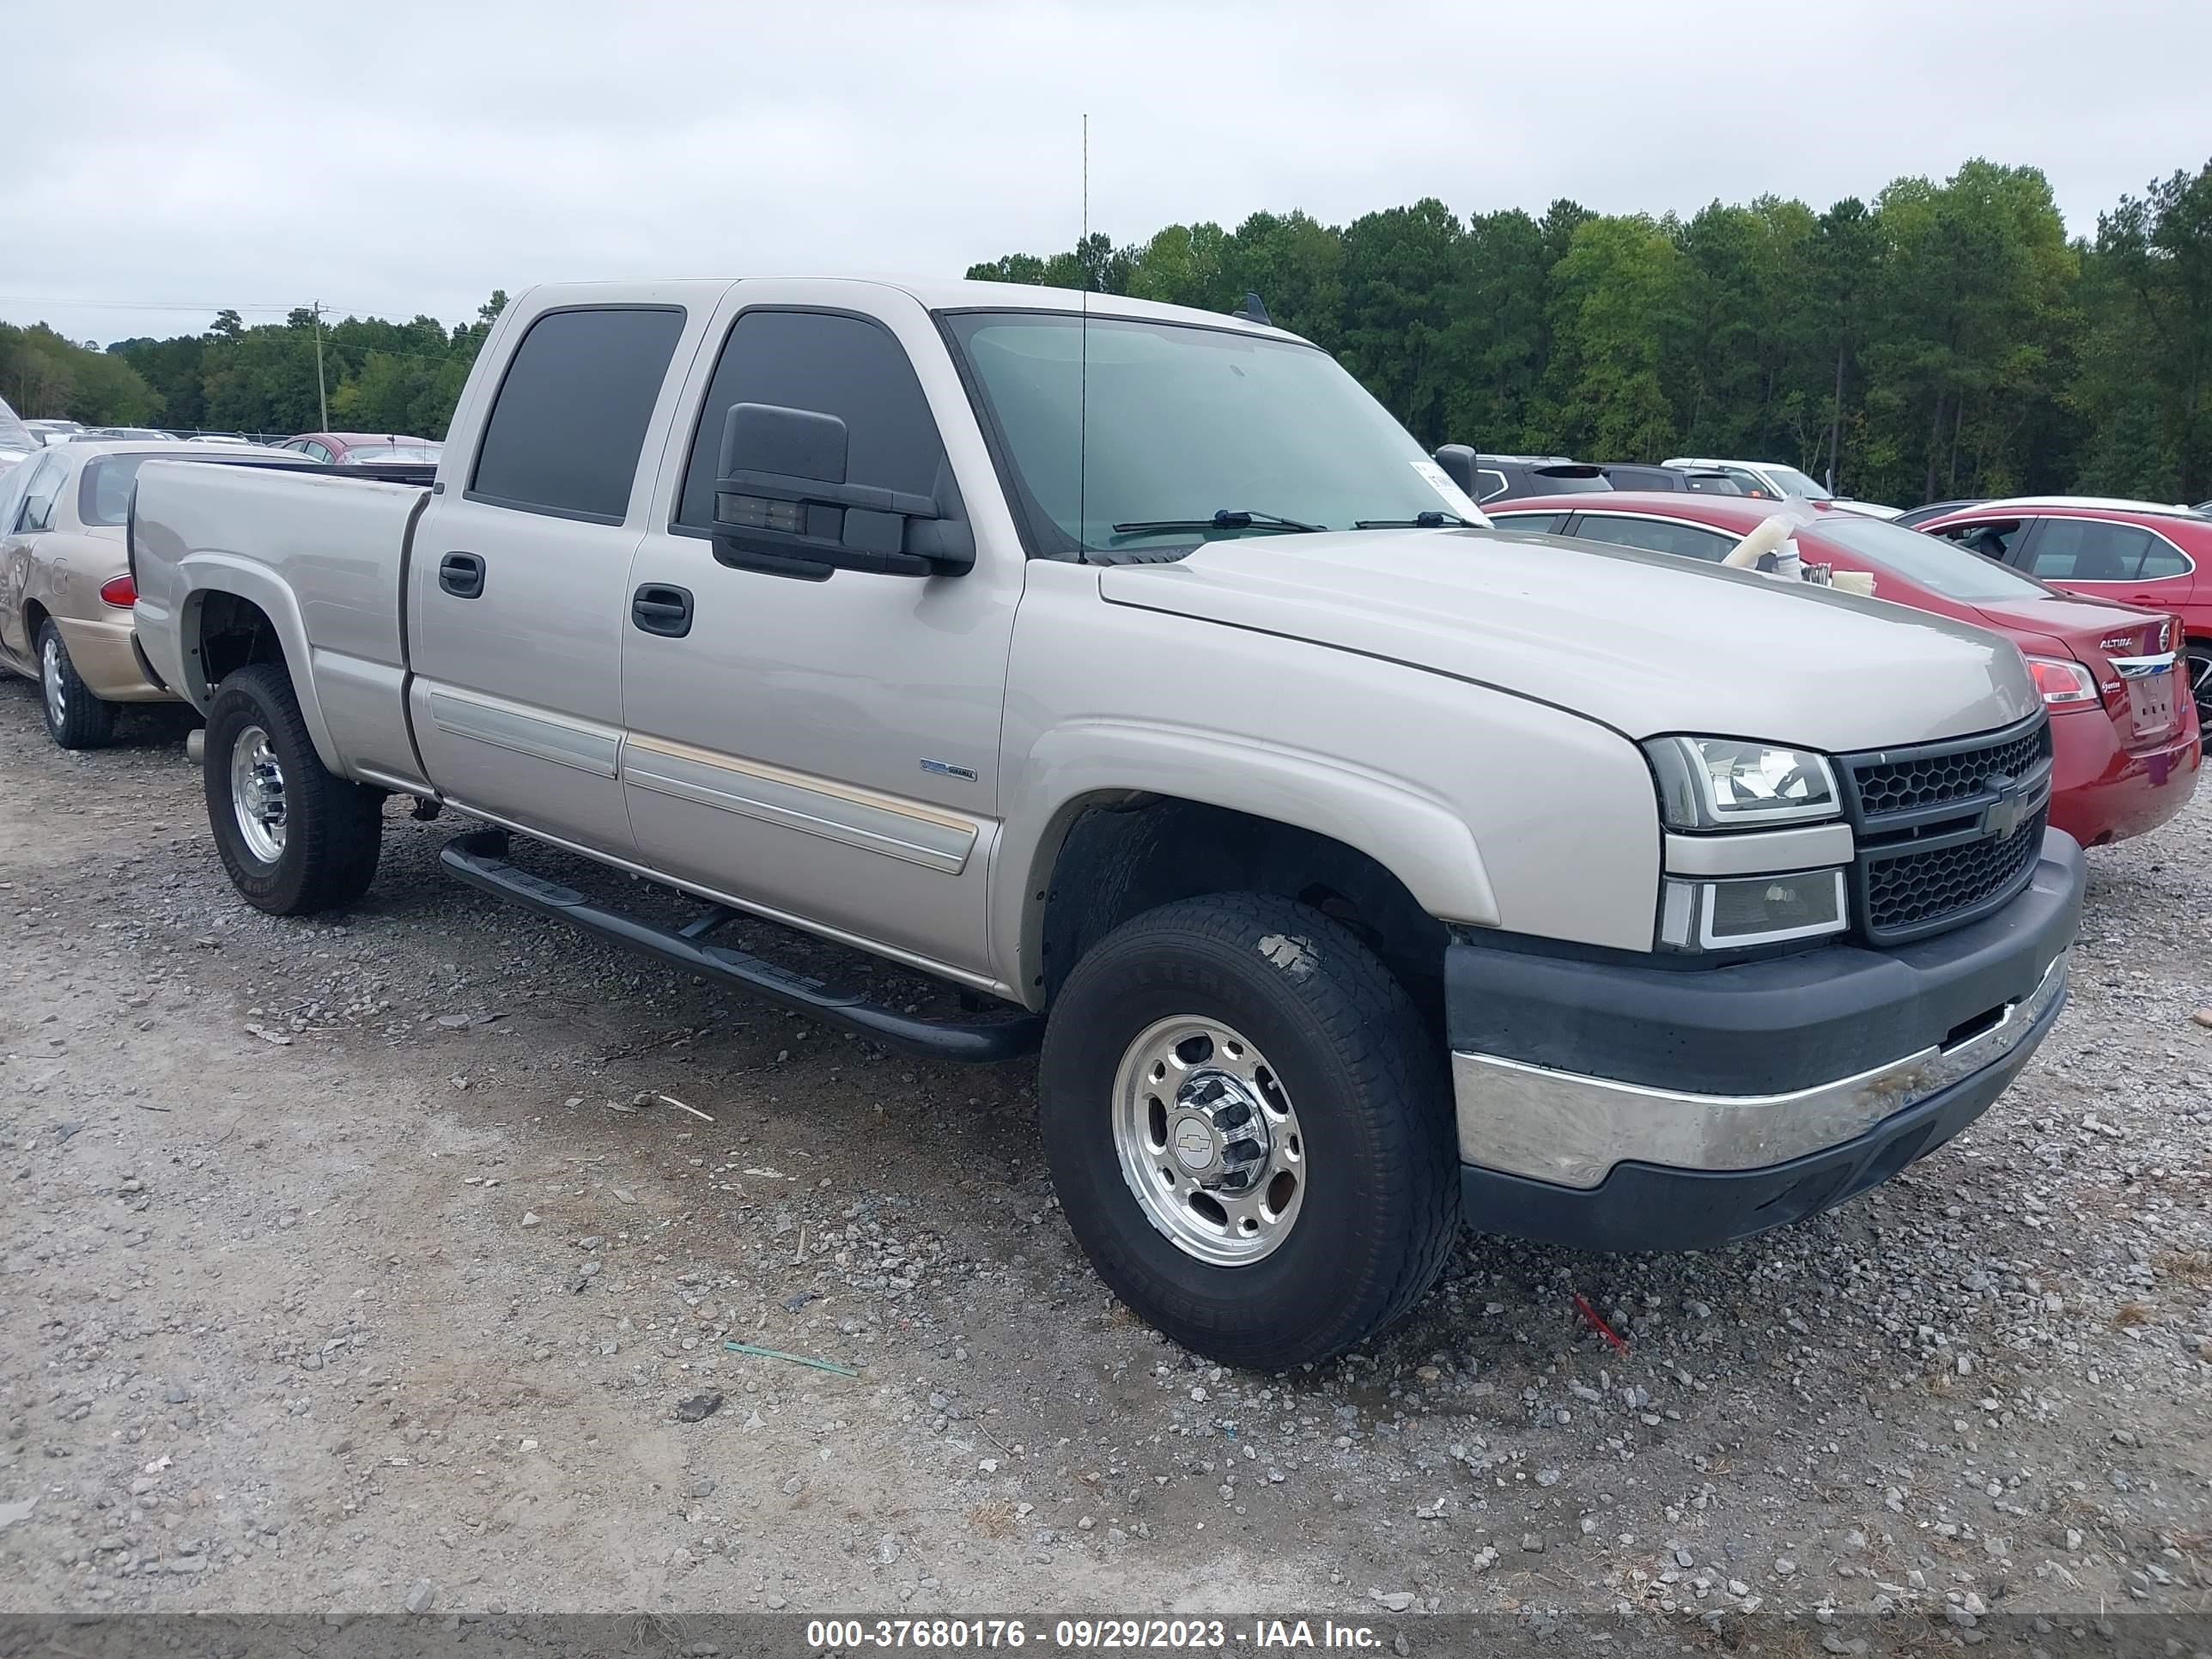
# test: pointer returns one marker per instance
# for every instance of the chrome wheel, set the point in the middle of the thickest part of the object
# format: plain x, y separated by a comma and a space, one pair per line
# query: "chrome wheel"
1208, 1141
257, 794
52, 677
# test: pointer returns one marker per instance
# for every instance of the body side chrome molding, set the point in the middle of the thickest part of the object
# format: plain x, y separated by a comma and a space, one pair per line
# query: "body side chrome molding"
586, 748
874, 823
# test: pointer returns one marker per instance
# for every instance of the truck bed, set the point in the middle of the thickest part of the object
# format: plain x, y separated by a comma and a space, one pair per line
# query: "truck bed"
322, 551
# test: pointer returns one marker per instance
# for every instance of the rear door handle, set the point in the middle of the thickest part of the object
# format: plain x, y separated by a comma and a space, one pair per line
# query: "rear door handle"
660, 609
462, 576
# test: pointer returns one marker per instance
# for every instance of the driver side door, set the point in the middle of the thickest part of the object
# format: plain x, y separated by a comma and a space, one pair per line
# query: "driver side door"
825, 749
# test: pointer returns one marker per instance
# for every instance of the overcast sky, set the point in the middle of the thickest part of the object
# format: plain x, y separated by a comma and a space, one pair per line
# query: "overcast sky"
391, 159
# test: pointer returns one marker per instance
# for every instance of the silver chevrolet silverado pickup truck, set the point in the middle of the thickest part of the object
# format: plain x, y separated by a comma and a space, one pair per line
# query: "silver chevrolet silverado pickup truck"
1358, 867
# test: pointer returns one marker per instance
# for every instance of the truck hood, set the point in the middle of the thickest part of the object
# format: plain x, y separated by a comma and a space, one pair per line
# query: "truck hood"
1645, 642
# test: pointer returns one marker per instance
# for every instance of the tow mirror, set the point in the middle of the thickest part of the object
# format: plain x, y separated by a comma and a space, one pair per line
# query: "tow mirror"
780, 495
1458, 461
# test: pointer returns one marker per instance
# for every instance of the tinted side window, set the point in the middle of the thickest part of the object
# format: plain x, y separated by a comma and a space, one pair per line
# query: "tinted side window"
1657, 535
1546, 524
2088, 551
2161, 559
832, 365
568, 423
1492, 482
1995, 539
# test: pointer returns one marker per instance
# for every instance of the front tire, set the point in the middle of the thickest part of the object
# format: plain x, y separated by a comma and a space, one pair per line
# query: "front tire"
75, 718
1250, 1129
296, 837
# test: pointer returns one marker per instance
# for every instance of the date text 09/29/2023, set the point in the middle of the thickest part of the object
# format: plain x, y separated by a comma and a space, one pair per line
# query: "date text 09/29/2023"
1090, 1635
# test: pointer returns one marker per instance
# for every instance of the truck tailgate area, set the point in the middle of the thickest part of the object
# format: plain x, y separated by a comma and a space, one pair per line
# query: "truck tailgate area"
322, 555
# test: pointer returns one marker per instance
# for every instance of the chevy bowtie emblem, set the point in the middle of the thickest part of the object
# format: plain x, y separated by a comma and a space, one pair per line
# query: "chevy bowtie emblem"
2004, 815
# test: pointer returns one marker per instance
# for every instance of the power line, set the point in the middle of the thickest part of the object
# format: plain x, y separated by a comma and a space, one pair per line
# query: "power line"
366, 312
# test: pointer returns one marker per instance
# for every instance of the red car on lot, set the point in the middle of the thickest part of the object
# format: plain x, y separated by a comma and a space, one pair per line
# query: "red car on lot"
2126, 741
2136, 552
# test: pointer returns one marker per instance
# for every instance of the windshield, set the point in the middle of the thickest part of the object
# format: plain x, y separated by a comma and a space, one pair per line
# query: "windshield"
1790, 482
1939, 566
1183, 423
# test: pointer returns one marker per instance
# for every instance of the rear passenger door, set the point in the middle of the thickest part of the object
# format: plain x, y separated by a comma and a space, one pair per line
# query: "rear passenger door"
517, 584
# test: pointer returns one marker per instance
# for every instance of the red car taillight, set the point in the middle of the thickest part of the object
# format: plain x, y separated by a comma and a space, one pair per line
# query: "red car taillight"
122, 591
2063, 684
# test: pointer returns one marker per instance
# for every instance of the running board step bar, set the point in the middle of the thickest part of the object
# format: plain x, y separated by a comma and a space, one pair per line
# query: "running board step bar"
478, 858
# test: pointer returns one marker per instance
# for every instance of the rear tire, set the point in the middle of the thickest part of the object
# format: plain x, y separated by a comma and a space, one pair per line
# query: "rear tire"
294, 836
2198, 662
1272, 1247
75, 718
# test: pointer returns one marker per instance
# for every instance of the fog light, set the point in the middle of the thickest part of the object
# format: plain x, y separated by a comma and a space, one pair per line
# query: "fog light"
1715, 915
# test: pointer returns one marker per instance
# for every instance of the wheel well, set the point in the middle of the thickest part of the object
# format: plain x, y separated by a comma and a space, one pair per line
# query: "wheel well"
1129, 854
233, 633
34, 618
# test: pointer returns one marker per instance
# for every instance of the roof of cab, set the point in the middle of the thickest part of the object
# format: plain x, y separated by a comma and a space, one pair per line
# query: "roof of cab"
936, 293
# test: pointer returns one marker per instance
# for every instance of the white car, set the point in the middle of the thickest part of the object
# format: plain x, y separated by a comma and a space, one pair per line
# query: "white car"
1780, 481
16, 440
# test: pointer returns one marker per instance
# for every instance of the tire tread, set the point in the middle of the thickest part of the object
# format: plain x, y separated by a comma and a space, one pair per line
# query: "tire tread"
336, 825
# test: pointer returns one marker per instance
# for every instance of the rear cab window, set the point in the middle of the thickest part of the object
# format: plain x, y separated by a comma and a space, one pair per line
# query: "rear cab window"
568, 424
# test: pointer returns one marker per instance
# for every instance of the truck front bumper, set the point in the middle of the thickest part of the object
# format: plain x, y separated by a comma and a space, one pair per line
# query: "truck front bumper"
1630, 1108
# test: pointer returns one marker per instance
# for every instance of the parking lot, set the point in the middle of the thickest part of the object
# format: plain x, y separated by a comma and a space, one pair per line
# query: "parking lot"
366, 1263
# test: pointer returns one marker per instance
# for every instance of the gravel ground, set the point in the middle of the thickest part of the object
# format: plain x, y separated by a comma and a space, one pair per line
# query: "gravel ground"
339, 1269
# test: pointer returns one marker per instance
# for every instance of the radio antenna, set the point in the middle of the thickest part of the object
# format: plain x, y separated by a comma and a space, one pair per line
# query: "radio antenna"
1083, 372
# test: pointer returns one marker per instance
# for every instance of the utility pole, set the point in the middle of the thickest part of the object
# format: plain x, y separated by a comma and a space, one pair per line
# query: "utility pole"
322, 399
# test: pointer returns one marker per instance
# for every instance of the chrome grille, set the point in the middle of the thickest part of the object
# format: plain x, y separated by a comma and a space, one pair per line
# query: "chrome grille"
1946, 832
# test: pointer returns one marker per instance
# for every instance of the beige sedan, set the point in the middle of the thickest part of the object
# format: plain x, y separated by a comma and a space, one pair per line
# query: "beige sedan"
65, 589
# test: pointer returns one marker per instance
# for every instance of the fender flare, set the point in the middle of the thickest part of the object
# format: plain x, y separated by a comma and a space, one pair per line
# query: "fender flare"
1414, 834
216, 573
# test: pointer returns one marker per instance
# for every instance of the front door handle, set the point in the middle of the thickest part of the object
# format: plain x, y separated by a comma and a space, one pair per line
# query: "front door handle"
462, 576
657, 608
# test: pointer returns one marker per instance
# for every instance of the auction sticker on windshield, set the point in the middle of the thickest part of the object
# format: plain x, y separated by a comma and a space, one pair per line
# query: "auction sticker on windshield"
1455, 497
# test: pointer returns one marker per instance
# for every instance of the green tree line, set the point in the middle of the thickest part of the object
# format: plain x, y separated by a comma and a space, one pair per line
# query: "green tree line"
378, 376
1941, 340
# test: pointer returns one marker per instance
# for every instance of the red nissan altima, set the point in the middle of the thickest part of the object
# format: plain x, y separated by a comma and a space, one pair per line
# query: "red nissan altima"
2126, 741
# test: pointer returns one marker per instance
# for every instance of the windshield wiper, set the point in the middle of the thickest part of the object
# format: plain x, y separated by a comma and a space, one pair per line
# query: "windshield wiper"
1225, 520
1432, 519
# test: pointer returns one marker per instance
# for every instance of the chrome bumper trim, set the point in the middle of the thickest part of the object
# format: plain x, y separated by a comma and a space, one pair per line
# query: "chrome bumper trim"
1571, 1130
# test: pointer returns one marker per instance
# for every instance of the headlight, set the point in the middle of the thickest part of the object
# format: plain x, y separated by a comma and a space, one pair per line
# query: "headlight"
1719, 783
1720, 916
